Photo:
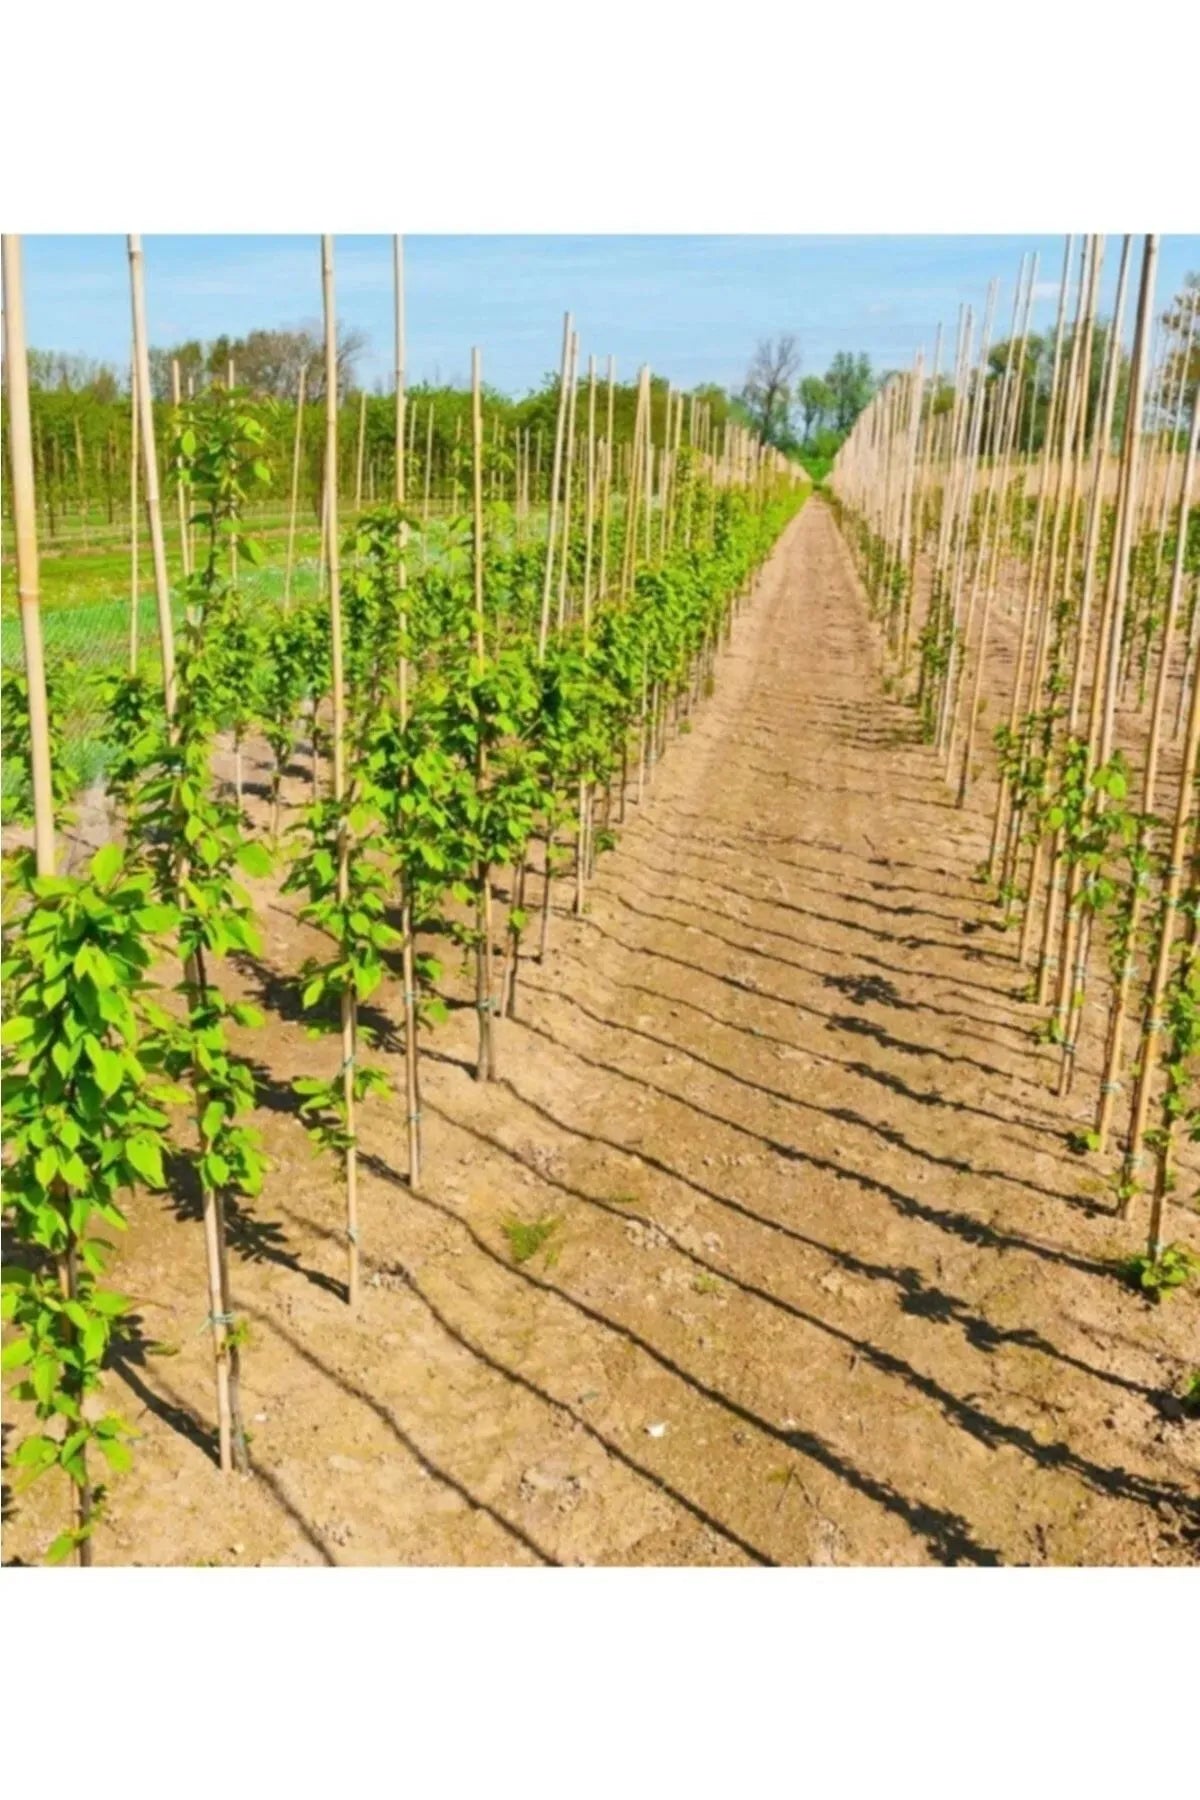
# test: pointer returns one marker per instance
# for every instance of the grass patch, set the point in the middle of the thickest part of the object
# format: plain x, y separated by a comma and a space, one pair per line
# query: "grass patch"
525, 1240
1156, 1276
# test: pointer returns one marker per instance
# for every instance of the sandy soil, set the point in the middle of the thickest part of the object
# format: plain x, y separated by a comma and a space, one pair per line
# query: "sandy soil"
827, 1285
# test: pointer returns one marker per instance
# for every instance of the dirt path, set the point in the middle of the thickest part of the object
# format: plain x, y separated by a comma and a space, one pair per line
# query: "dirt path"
827, 1285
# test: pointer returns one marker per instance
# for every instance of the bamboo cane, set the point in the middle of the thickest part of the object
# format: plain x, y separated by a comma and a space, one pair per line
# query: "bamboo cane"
567, 481
989, 542
551, 526
606, 485
297, 439
485, 1068
349, 1009
1111, 649
24, 515
180, 496
590, 510
360, 452
134, 528
166, 629
1139, 1110
412, 1085
1002, 816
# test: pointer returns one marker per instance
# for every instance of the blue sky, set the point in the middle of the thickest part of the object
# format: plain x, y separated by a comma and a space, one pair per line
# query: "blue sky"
692, 307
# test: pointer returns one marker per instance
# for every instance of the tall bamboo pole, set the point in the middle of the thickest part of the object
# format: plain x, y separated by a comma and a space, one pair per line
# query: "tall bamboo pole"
297, 440
145, 402
180, 493
988, 549
1067, 417
349, 1010
412, 1091
590, 509
559, 426
606, 480
485, 1067
428, 471
1111, 651
967, 494
1002, 817
24, 513
361, 451
228, 1425
568, 473
134, 528
24, 504
1139, 1110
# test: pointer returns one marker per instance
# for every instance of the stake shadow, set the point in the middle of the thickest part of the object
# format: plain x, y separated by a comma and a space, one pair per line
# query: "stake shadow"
947, 1535
179, 1417
970, 1230
253, 1239
387, 1418
846, 1115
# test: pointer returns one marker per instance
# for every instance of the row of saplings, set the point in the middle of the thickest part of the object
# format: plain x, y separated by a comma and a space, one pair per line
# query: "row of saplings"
456, 740
1117, 860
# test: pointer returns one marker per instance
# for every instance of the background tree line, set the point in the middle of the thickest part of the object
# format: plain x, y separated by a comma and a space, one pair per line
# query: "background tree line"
809, 416
81, 418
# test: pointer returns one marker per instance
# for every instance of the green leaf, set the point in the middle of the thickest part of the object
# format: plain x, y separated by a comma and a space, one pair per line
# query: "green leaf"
116, 1454
105, 864
17, 1029
145, 1155
253, 858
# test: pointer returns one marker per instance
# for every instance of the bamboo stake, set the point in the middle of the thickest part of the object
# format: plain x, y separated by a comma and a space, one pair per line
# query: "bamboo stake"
134, 532
559, 426
349, 1010
1071, 963
606, 489
990, 530
1001, 815
567, 480
590, 513
166, 629
428, 469
1152, 1032
1066, 420
362, 444
485, 1067
1140, 1107
295, 494
1068, 470
412, 1086
1118, 590
228, 1423
966, 499
180, 496
24, 514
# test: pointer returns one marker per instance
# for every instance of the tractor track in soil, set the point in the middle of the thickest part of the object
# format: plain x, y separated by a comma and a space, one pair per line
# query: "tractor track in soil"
827, 1288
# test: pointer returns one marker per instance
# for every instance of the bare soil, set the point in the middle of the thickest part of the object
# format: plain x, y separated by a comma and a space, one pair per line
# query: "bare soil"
827, 1285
